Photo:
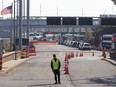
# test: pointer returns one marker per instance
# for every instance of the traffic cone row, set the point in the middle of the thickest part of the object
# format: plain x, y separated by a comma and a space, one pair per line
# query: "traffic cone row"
71, 55
67, 57
81, 54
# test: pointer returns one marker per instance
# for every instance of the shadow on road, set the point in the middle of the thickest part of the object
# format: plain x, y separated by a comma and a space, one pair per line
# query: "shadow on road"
107, 81
49, 85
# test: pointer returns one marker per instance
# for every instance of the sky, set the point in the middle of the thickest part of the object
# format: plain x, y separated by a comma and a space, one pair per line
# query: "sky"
67, 7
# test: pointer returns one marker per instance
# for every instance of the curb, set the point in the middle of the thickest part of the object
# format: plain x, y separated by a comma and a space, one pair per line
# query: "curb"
110, 61
4, 72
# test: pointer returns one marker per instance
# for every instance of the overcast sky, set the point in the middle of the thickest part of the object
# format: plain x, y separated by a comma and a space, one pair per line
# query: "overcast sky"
67, 7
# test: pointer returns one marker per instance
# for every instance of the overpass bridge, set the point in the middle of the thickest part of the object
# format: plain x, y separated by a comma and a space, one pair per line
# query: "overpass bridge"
39, 24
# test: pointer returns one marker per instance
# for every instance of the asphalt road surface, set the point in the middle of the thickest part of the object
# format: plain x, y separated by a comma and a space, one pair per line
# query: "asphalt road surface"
85, 71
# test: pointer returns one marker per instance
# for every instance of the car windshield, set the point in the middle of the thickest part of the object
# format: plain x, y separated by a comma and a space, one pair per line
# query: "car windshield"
31, 35
87, 45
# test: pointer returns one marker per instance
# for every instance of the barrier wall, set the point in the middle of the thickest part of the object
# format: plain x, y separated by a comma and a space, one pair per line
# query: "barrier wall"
43, 42
11, 56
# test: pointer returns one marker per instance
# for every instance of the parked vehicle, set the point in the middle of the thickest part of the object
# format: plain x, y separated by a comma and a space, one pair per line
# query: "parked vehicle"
108, 41
85, 46
75, 44
71, 43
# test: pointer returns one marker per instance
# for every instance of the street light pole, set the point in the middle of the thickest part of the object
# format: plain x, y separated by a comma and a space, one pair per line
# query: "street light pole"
28, 18
14, 29
20, 25
14, 34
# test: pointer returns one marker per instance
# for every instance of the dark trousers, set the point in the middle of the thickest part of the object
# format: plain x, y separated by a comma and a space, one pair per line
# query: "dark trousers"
57, 75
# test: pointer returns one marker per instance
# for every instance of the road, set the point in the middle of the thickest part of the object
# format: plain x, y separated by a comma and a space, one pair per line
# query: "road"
92, 73
86, 71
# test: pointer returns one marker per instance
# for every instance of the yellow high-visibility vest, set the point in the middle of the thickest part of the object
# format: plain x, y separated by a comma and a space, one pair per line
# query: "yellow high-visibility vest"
55, 64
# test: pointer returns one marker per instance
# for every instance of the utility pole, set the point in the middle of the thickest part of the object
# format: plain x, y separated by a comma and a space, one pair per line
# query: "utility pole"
24, 18
28, 18
14, 29
20, 25
14, 44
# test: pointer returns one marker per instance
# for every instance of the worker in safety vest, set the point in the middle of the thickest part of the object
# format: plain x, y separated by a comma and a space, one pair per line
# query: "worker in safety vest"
55, 65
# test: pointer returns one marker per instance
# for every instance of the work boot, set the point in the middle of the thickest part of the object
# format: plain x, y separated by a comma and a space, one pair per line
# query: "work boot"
59, 82
55, 83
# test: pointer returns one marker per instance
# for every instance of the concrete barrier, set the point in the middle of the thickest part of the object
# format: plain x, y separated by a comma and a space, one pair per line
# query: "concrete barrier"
43, 42
11, 56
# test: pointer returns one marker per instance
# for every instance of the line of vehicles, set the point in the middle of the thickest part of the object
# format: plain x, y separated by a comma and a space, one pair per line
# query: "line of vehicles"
77, 44
108, 42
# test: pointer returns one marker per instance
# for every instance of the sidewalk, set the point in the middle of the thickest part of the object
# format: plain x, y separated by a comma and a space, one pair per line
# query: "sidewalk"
111, 60
11, 65
108, 59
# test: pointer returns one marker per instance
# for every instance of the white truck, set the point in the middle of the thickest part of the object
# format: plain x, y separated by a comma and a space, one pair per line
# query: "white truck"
108, 41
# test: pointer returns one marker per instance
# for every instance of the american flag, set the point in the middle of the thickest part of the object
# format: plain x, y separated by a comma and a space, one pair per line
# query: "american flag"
7, 10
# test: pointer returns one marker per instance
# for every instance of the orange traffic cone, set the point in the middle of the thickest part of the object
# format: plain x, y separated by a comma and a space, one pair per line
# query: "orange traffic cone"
66, 69
76, 54
72, 54
69, 55
93, 53
81, 53
66, 64
65, 60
